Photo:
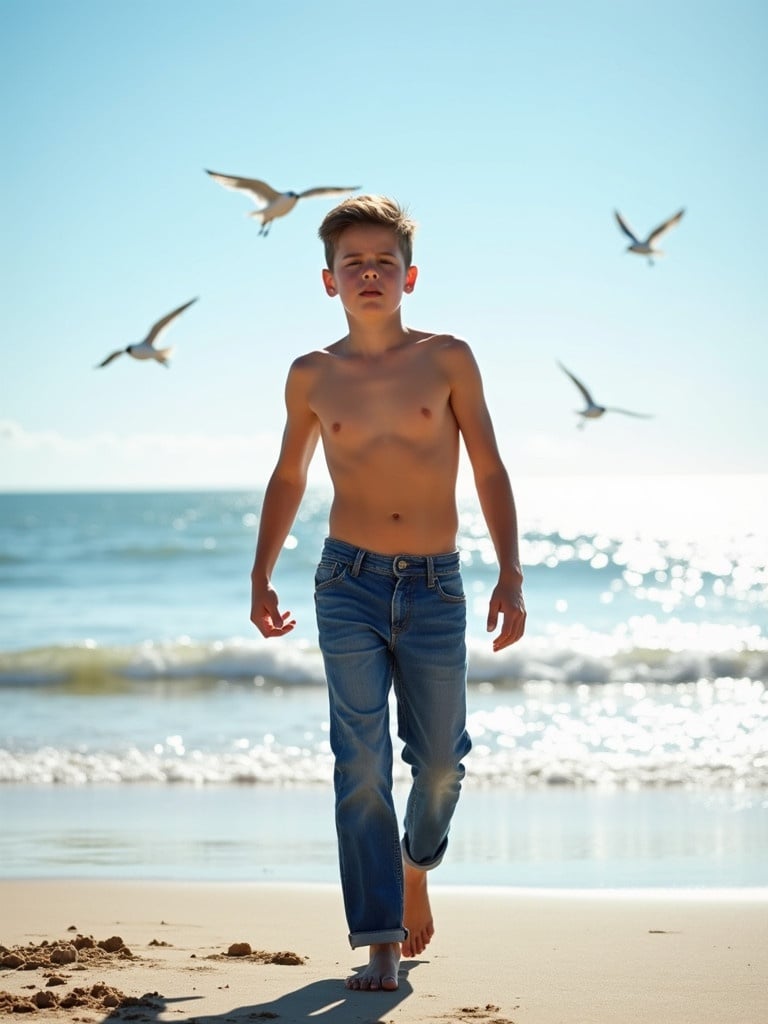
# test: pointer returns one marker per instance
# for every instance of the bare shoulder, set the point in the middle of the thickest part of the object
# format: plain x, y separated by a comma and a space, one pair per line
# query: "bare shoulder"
309, 362
438, 343
443, 342
306, 368
454, 353
303, 375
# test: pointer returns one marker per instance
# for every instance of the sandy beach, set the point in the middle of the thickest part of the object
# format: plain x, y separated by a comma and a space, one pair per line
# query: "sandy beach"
152, 951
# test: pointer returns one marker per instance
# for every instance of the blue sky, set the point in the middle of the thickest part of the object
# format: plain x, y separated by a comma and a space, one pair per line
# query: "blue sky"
511, 130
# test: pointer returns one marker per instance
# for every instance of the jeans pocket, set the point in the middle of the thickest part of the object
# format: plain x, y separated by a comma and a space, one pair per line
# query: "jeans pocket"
451, 588
328, 573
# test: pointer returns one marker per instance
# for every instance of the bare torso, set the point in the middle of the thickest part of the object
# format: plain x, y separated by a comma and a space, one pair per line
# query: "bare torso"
391, 444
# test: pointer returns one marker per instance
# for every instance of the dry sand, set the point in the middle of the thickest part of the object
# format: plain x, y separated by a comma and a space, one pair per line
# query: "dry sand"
90, 951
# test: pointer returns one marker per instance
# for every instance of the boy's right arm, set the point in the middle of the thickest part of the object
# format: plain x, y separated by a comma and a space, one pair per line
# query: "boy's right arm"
281, 501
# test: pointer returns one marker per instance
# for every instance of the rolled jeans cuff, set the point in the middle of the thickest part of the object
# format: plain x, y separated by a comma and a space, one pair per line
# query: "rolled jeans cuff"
372, 938
423, 865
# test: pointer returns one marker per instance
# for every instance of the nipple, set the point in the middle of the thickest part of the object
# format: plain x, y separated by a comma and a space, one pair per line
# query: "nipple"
336, 427
426, 413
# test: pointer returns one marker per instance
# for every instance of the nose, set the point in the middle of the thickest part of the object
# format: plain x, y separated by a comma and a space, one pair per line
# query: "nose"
370, 274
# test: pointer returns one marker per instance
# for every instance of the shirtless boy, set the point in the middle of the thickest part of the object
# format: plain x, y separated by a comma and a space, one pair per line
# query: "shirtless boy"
391, 405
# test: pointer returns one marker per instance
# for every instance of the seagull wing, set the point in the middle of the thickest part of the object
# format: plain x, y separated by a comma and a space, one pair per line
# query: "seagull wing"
587, 397
109, 359
625, 227
657, 232
259, 189
328, 190
160, 326
639, 415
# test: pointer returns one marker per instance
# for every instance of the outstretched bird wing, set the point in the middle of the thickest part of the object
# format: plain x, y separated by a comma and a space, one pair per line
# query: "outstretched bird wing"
640, 415
109, 359
657, 232
625, 227
587, 397
328, 190
254, 187
161, 324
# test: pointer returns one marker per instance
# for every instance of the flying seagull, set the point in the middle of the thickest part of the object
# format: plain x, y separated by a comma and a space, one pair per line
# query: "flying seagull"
646, 248
146, 349
593, 411
277, 204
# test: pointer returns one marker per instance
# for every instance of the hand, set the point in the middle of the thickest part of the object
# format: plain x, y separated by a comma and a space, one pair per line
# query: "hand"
507, 601
265, 614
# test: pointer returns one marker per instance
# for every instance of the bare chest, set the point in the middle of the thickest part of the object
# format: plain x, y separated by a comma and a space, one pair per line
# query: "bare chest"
409, 403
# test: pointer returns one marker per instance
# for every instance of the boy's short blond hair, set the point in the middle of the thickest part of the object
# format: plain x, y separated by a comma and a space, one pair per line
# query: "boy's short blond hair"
368, 209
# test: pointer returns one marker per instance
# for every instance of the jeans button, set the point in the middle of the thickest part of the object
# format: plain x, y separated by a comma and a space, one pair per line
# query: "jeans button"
402, 564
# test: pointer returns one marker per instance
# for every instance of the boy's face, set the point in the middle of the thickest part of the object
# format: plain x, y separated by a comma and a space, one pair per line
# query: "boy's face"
369, 272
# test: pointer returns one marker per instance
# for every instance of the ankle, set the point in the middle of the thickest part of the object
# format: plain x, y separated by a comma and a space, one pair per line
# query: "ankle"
384, 947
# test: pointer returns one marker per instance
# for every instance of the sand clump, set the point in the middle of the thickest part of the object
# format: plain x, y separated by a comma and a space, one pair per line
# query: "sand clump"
244, 951
57, 960
76, 954
93, 997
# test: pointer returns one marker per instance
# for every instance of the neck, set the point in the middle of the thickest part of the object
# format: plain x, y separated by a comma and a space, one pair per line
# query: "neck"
374, 338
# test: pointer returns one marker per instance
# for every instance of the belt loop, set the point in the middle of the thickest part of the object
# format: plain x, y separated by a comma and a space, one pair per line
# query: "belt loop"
358, 562
430, 572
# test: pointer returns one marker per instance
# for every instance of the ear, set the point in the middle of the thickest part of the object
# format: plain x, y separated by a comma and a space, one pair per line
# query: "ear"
410, 279
330, 284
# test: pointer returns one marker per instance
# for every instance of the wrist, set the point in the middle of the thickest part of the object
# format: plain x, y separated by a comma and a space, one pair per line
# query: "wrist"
513, 575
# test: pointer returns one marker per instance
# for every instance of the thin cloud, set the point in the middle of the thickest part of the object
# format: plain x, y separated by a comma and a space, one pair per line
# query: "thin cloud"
49, 459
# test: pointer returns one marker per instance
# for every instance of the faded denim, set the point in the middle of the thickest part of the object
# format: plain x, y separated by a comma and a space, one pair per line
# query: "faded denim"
388, 621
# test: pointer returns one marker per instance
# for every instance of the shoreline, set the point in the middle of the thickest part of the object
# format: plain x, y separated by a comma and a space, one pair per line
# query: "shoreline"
682, 893
549, 838
499, 956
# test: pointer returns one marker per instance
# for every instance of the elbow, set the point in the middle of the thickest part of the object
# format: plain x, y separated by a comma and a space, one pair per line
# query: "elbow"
284, 479
491, 478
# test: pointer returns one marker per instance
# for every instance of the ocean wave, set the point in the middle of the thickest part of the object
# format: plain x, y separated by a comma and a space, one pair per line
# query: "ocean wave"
272, 765
90, 667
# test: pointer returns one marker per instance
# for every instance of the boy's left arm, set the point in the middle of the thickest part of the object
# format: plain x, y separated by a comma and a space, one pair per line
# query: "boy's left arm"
498, 505
494, 493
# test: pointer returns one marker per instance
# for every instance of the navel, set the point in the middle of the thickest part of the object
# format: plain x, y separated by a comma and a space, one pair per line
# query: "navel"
336, 427
395, 516
426, 413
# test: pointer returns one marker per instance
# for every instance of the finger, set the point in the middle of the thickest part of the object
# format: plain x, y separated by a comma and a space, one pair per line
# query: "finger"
493, 618
268, 630
504, 639
282, 623
514, 627
272, 623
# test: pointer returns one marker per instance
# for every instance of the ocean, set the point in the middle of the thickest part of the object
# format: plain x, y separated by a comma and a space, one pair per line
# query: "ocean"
147, 730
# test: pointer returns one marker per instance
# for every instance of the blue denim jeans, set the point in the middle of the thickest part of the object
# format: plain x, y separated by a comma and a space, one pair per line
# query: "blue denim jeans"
388, 621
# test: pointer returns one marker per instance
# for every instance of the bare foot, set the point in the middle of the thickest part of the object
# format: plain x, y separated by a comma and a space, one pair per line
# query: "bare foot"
417, 912
381, 972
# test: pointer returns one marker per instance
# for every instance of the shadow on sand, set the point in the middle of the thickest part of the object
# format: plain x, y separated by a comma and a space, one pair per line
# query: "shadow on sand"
326, 1000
